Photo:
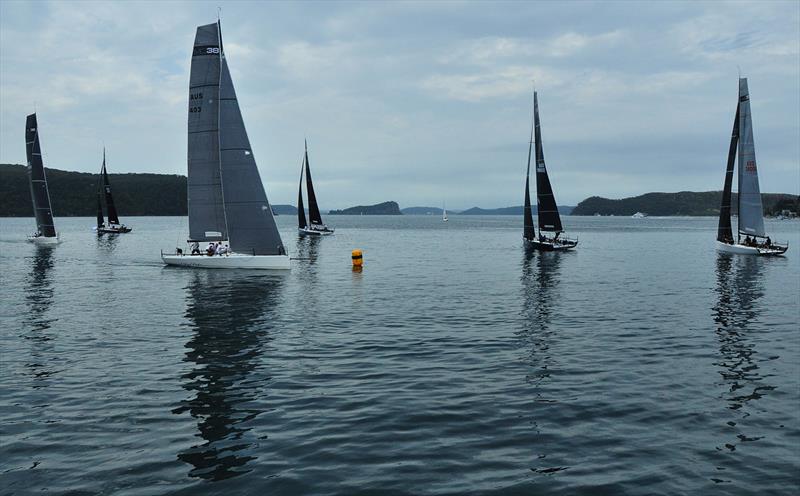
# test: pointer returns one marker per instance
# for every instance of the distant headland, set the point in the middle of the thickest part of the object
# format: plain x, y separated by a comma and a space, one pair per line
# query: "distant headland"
385, 208
73, 195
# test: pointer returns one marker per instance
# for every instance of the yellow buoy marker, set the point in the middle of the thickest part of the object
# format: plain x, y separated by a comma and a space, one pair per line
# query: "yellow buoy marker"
358, 258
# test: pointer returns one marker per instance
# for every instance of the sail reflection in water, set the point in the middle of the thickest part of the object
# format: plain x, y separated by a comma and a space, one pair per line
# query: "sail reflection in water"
540, 275
39, 297
739, 288
231, 315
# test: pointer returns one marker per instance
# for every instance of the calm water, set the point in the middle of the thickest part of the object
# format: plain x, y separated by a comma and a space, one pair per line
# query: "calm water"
643, 363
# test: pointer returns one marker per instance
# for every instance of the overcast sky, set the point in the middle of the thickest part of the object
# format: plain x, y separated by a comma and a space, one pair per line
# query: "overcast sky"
416, 102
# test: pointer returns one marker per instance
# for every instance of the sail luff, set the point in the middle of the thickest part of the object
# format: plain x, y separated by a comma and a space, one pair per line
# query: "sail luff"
547, 211
249, 219
113, 218
528, 228
751, 211
40, 195
301, 211
204, 185
724, 230
314, 216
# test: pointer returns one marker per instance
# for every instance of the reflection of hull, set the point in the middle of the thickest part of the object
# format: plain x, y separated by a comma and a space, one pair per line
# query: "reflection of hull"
551, 245
113, 230
751, 250
311, 231
44, 240
232, 261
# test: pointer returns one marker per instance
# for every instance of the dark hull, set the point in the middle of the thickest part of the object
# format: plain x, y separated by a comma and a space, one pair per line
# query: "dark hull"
114, 230
549, 245
314, 232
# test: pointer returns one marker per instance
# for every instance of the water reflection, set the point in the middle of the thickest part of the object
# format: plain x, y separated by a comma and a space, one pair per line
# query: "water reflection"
231, 314
39, 299
308, 248
107, 243
739, 289
540, 277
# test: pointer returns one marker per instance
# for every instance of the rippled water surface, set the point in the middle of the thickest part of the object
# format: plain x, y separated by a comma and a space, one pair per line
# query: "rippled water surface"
643, 363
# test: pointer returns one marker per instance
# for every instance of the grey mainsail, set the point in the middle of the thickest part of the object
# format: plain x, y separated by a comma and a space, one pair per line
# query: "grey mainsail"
206, 211
226, 196
40, 195
751, 211
547, 211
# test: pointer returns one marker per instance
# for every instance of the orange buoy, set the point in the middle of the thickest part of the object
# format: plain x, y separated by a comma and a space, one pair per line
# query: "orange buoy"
358, 258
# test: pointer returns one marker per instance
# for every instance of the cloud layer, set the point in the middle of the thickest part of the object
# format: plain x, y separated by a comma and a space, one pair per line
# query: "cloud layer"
416, 102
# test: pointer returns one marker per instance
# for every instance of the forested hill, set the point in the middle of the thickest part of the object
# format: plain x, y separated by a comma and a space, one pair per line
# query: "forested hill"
74, 193
682, 203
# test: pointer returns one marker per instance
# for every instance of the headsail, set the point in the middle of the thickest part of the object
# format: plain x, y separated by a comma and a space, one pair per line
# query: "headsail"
549, 219
528, 232
314, 216
724, 231
38, 181
206, 211
250, 223
751, 212
301, 209
113, 218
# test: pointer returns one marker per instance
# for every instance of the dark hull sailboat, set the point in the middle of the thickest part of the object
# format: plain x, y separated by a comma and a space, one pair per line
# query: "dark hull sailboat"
228, 206
113, 226
40, 195
550, 228
314, 225
751, 212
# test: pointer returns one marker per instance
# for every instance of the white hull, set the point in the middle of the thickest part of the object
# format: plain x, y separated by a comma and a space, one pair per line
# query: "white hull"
315, 232
749, 250
232, 261
42, 240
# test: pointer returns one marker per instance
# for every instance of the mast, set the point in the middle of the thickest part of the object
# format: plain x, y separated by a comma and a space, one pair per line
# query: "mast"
314, 216
724, 230
528, 229
751, 211
301, 212
113, 218
547, 211
40, 195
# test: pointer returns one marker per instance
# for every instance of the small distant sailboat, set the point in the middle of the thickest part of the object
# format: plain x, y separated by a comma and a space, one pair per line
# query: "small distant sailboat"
314, 225
549, 218
113, 227
444, 213
45, 229
227, 202
751, 212
639, 215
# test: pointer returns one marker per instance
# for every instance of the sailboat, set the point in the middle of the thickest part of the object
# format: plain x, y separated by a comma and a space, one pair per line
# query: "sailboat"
444, 213
751, 212
549, 219
45, 229
314, 225
227, 202
113, 227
